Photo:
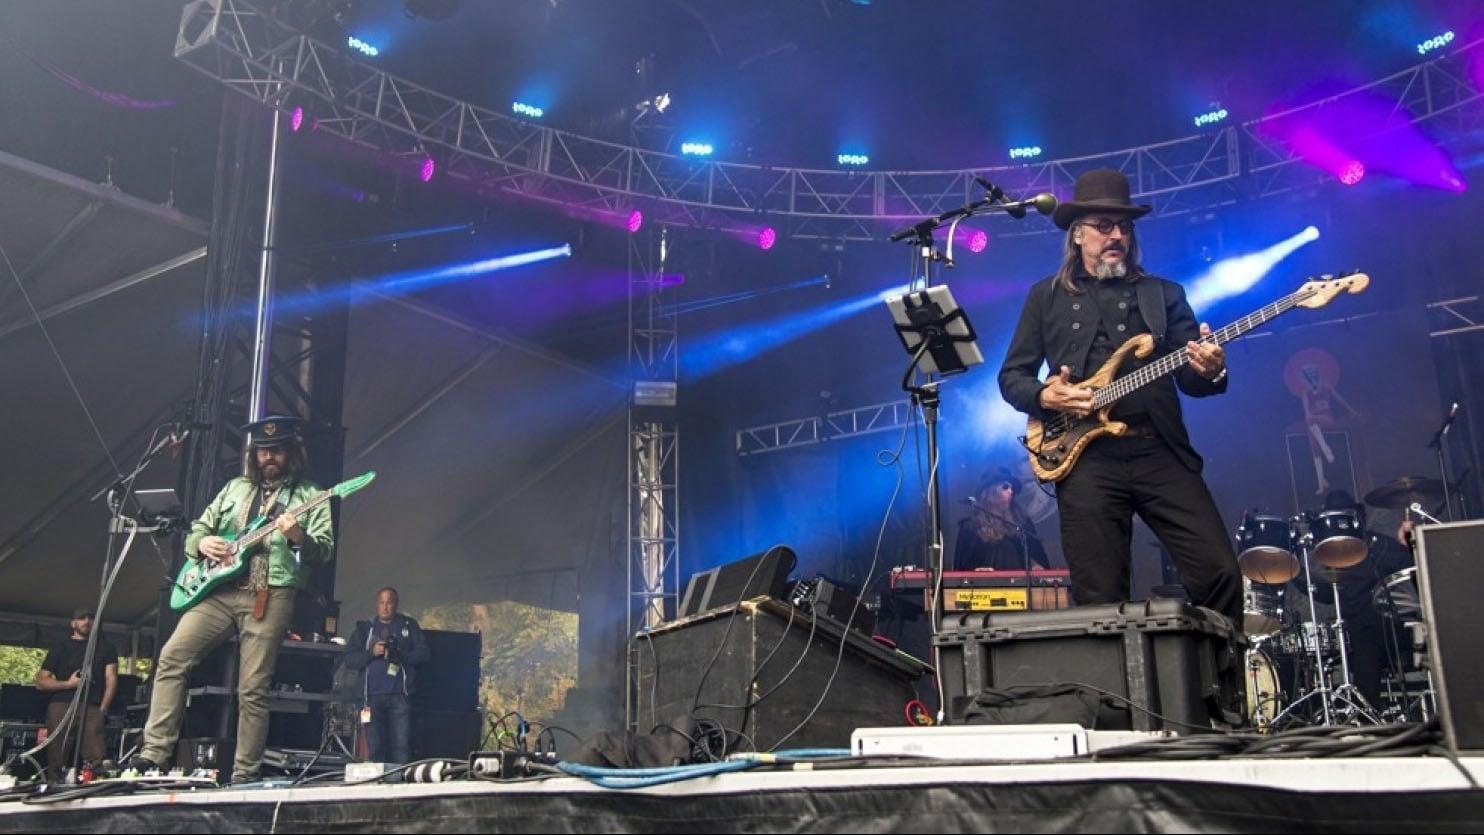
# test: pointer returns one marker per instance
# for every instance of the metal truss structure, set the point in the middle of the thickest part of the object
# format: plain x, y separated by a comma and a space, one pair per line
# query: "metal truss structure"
865, 420
1455, 316
244, 47
653, 561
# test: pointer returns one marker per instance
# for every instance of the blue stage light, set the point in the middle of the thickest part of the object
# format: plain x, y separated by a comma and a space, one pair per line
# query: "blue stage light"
853, 160
1435, 42
1232, 276
362, 47
1025, 152
411, 279
1210, 117
530, 111
696, 149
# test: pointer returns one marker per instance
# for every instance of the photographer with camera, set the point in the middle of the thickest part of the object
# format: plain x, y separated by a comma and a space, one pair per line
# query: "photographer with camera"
389, 649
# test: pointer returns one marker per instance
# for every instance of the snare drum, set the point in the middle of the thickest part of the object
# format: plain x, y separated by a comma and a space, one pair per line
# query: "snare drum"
1265, 549
1262, 608
1396, 596
1305, 638
1338, 537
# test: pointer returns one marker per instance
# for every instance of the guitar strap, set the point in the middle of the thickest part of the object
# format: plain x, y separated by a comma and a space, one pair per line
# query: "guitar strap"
1152, 308
258, 570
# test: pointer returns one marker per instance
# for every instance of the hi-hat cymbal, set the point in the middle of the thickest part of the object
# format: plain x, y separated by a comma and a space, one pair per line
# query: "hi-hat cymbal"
1402, 492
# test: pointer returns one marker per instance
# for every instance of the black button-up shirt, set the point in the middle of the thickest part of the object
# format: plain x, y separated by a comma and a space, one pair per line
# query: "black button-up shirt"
1119, 320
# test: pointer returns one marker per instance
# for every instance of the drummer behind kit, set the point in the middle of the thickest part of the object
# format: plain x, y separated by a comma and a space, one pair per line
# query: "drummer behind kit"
1313, 548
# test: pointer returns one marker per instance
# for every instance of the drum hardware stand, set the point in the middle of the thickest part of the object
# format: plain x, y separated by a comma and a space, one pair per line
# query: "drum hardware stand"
1321, 680
1355, 704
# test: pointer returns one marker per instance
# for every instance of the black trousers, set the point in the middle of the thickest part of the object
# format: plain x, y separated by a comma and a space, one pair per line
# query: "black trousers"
1119, 477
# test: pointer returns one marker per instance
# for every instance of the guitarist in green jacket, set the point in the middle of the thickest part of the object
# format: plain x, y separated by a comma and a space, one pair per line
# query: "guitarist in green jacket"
257, 605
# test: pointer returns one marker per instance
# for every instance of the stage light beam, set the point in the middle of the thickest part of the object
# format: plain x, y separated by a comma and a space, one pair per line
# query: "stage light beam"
1233, 276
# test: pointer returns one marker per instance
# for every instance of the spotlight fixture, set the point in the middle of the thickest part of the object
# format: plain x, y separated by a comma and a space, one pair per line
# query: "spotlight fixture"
362, 47
425, 173
529, 110
767, 238
636, 220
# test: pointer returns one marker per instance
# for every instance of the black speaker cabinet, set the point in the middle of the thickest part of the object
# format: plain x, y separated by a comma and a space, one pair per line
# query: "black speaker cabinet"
1450, 570
445, 733
869, 689
450, 679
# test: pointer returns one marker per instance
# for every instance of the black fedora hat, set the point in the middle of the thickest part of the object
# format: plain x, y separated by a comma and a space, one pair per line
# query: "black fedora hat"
274, 431
1102, 190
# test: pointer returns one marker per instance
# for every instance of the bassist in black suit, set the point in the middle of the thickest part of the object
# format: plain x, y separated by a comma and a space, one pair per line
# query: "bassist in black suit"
1073, 321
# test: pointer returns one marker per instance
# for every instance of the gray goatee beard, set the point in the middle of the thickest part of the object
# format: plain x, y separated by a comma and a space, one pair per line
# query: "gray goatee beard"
1115, 270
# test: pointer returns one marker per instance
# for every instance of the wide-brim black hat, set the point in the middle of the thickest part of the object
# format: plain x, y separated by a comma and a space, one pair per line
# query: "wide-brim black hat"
1102, 190
274, 431
998, 475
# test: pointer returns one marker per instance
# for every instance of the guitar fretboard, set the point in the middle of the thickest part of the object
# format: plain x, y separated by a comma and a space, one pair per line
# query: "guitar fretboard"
1126, 385
267, 530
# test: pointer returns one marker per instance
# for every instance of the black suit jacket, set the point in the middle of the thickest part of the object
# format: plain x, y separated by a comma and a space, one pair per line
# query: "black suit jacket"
1057, 328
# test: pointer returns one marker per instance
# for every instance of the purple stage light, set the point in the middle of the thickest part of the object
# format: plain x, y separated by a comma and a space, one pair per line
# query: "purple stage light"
636, 220
766, 238
296, 119
426, 172
978, 240
1352, 173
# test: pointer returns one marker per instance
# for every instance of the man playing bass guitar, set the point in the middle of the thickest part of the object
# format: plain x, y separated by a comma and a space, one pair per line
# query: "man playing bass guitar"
1074, 321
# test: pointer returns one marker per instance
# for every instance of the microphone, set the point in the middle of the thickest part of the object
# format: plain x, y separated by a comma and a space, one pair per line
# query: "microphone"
1045, 202
997, 195
1437, 438
182, 429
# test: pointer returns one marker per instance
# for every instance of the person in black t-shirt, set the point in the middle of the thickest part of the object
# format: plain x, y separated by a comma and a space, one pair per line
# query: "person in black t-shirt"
61, 675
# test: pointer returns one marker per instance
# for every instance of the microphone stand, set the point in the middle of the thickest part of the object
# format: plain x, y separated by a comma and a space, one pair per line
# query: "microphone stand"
118, 493
1437, 443
926, 396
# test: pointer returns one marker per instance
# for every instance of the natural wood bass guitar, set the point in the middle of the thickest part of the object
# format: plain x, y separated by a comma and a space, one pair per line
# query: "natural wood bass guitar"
1056, 443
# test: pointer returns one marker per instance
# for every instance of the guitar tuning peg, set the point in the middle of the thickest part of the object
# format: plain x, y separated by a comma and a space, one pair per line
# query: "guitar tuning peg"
1348, 273
1327, 277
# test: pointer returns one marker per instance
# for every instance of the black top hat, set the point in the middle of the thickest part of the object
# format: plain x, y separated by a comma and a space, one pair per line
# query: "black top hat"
1099, 190
274, 431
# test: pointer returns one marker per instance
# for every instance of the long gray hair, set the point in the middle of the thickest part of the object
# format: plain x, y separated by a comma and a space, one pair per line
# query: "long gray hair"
1071, 262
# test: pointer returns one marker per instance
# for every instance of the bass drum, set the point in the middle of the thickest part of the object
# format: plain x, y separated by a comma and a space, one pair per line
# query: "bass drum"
1264, 695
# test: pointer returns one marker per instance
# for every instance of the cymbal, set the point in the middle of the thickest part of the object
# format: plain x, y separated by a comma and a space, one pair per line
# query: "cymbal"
1402, 492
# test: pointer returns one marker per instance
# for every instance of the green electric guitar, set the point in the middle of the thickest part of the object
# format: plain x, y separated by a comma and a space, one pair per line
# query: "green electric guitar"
198, 578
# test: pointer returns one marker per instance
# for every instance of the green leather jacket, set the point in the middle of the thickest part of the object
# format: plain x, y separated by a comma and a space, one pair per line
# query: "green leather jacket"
285, 560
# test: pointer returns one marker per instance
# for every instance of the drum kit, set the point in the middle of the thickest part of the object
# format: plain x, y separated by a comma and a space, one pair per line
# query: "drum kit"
1298, 670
